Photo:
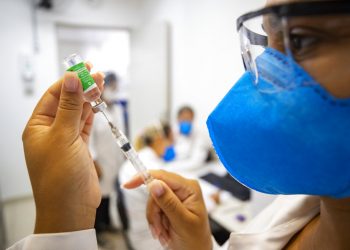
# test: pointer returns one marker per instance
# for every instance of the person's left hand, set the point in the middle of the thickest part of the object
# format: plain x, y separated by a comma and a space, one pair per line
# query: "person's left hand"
62, 173
176, 211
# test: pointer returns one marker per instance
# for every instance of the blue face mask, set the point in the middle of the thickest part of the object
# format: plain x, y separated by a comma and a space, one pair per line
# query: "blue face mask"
185, 128
293, 141
169, 154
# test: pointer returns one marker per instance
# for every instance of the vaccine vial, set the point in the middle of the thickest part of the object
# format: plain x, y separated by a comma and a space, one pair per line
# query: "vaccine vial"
92, 93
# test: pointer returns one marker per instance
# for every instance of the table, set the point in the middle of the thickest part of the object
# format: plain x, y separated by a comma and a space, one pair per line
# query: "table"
232, 214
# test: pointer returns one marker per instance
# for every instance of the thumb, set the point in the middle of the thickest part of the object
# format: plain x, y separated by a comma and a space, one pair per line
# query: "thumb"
167, 201
70, 105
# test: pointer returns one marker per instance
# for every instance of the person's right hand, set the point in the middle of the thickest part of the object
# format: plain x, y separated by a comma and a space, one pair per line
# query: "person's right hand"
176, 212
62, 173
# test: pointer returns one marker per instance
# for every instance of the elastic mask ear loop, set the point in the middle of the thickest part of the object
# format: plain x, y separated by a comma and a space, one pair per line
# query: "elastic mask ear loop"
249, 63
286, 38
288, 51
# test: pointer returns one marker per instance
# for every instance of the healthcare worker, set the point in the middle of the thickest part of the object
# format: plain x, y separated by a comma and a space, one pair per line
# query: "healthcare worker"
192, 147
108, 158
156, 150
282, 129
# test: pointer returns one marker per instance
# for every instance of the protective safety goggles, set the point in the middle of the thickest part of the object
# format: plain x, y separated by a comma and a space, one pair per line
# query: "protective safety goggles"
314, 36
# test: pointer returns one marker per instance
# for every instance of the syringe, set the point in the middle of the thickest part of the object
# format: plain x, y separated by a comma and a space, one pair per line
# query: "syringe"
92, 94
128, 150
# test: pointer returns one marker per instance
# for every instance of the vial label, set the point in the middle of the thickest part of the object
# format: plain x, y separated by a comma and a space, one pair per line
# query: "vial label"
84, 75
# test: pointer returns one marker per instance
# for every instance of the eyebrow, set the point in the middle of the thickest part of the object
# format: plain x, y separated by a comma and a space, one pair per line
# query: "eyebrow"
334, 25
294, 9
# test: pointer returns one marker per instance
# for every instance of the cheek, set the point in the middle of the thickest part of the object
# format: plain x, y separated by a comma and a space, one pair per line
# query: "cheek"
162, 147
331, 70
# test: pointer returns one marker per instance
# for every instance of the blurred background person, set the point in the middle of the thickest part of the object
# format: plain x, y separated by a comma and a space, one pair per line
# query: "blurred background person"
107, 158
148, 43
156, 150
110, 90
192, 147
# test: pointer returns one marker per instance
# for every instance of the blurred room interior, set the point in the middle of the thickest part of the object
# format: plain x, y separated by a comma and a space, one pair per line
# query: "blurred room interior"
166, 53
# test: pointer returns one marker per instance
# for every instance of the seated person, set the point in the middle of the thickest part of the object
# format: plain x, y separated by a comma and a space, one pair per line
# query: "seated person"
155, 150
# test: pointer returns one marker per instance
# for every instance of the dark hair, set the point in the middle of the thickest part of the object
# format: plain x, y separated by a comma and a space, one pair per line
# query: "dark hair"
110, 77
185, 109
166, 129
147, 140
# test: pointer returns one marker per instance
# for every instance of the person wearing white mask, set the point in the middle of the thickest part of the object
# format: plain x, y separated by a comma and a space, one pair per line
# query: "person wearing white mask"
155, 149
107, 157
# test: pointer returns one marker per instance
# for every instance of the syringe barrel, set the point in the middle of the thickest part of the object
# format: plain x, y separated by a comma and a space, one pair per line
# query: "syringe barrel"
137, 163
132, 155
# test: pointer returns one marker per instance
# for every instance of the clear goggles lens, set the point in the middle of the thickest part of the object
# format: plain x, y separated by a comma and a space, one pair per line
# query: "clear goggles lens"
320, 45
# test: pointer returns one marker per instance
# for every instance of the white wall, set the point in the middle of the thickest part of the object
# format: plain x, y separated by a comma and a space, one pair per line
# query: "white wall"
205, 58
16, 38
148, 92
206, 54
15, 107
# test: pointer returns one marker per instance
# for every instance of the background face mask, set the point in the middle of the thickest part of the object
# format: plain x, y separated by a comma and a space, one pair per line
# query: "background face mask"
185, 128
169, 154
293, 141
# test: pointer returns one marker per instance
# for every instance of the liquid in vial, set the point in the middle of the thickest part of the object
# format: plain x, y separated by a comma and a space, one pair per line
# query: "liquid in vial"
92, 93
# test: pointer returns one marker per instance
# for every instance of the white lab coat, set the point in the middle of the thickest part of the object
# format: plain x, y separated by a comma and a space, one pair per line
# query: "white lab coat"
270, 230
109, 156
85, 239
105, 150
273, 228
136, 202
191, 151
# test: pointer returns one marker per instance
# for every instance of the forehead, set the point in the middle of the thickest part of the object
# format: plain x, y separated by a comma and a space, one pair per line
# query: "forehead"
186, 115
332, 20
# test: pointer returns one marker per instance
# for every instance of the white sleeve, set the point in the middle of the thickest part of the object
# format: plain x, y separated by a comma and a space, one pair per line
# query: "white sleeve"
85, 239
200, 149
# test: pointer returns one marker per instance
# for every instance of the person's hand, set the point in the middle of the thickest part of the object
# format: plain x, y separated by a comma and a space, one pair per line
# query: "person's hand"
216, 197
61, 170
98, 170
175, 211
